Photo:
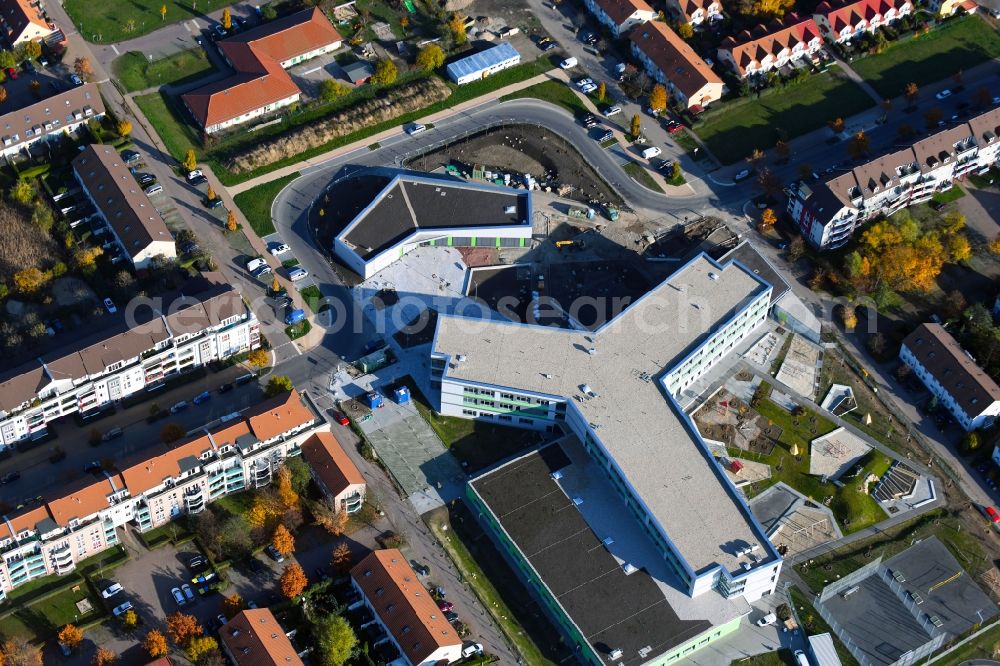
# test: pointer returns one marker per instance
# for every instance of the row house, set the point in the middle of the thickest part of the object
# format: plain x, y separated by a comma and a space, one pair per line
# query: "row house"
695, 12
228, 457
24, 21
952, 376
843, 22
620, 15
771, 46
64, 114
828, 212
671, 61
144, 344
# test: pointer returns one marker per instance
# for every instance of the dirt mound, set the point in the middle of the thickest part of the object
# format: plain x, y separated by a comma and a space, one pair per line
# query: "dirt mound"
396, 102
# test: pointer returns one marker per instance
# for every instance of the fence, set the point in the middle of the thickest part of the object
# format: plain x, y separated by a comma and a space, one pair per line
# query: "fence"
850, 580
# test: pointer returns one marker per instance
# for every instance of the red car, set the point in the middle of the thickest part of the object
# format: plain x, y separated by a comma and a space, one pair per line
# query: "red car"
992, 514
341, 419
674, 127
446, 606
11, 72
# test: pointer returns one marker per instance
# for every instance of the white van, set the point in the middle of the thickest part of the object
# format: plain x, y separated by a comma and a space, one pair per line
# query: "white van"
801, 659
569, 63
297, 274
651, 152
254, 264
415, 128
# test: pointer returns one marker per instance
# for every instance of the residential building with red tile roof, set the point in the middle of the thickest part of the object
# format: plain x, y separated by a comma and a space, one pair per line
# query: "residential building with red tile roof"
334, 471
405, 609
946, 8
158, 485
671, 61
620, 15
843, 21
24, 21
695, 12
771, 46
254, 638
260, 56
141, 234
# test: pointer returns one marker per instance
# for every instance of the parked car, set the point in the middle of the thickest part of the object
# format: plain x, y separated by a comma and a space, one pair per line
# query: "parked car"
131, 156
154, 189
548, 46
569, 63
43, 61
606, 136
255, 263
10, 477
178, 596
145, 179
274, 554
111, 590
451, 616
281, 248
944, 94
584, 82
197, 562
673, 127
110, 305
11, 73
651, 152
295, 316
415, 128
613, 110
76, 80
122, 609
214, 203
226, 388
471, 649
179, 407
260, 270
221, 619
446, 606
201, 398
189, 247
114, 433
297, 274
340, 418
194, 173
219, 32
741, 175
767, 620
92, 466
188, 592
992, 514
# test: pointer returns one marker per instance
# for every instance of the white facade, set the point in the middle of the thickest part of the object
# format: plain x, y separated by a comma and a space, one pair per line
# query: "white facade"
124, 378
480, 65
640, 14
508, 405
969, 421
256, 113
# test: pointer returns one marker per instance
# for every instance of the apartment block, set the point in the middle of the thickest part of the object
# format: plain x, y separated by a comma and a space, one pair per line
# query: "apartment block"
334, 472
696, 12
844, 21
671, 61
829, 211
24, 21
620, 15
63, 114
226, 457
952, 376
771, 46
136, 350
254, 638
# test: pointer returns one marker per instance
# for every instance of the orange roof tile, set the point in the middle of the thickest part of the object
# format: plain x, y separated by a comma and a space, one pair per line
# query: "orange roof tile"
674, 57
772, 41
254, 638
330, 462
86, 500
256, 55
153, 471
620, 10
852, 13
23, 521
279, 414
19, 14
403, 604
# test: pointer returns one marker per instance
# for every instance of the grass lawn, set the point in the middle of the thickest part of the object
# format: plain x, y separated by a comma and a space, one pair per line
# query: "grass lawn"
780, 658
853, 510
41, 620
164, 534
234, 505
639, 174
176, 134
117, 20
296, 331
966, 548
980, 647
954, 194
814, 624
554, 92
137, 73
984, 181
958, 45
256, 203
741, 125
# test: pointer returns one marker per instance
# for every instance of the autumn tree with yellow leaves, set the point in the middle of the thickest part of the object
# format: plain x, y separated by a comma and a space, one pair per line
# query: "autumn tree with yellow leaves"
293, 581
283, 540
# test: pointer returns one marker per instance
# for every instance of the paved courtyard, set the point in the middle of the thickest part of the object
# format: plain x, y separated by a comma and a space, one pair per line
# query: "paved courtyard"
835, 453
801, 366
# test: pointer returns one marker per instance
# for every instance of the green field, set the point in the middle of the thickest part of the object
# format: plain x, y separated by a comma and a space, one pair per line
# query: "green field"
733, 131
256, 203
983, 646
177, 136
553, 92
110, 21
137, 73
639, 174
956, 46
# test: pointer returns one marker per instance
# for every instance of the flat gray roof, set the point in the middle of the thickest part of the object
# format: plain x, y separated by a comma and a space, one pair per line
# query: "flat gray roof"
410, 203
477, 62
651, 441
645, 613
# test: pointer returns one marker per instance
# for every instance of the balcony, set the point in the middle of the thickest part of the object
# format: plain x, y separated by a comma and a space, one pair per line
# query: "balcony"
353, 503
194, 500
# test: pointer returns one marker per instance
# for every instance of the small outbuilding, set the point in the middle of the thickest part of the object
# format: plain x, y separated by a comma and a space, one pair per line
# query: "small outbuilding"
480, 65
359, 72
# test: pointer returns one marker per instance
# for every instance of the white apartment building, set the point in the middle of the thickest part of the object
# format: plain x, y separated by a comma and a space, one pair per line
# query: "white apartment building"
951, 375
208, 321
843, 21
620, 15
829, 211
83, 520
65, 113
618, 390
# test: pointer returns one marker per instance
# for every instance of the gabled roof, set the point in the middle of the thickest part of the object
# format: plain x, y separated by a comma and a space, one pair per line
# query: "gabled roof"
688, 8
674, 57
771, 40
852, 13
154, 470
23, 521
50, 115
939, 148
331, 463
256, 55
19, 14
947, 362
404, 605
279, 414
254, 638
620, 11
121, 199
85, 500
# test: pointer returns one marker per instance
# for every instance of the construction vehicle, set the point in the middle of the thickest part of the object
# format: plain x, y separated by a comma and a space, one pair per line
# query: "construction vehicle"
564, 243
612, 212
574, 244
581, 213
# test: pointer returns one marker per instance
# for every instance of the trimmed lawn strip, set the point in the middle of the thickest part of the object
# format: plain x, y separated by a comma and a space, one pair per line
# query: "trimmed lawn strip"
314, 298
553, 92
256, 203
638, 173
108, 22
782, 657
814, 624
175, 133
958, 45
296, 331
137, 73
980, 647
853, 509
892, 541
488, 595
741, 125
954, 194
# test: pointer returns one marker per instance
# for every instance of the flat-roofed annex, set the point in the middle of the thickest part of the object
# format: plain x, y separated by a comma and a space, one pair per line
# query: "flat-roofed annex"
653, 444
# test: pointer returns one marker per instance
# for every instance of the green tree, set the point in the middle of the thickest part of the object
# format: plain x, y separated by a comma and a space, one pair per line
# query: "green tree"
971, 442
331, 89
685, 30
7, 59
22, 192
335, 640
658, 98
278, 384
385, 72
430, 57
32, 50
